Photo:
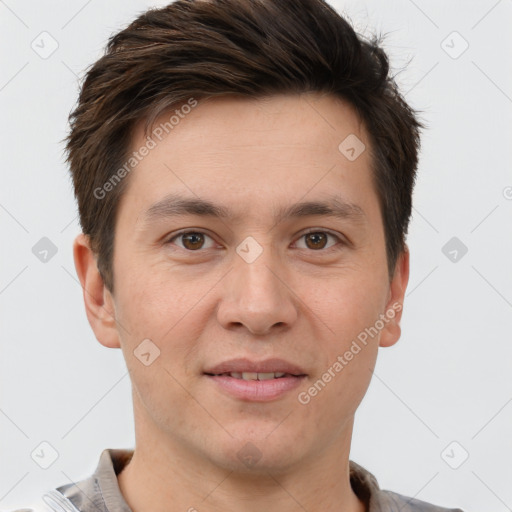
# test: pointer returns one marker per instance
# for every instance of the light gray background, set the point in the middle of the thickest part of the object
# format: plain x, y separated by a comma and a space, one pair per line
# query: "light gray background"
449, 377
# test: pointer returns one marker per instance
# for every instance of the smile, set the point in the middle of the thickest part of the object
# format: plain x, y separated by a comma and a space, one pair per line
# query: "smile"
255, 387
255, 375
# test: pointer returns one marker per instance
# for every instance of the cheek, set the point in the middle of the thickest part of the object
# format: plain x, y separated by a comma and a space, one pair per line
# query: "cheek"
347, 306
352, 308
156, 301
158, 391
150, 309
348, 348
347, 360
170, 316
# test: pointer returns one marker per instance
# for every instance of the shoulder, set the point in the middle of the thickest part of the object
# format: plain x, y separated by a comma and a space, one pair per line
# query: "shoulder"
367, 488
98, 492
389, 500
52, 501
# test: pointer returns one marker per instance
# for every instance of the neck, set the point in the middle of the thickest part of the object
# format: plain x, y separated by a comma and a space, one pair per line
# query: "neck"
166, 475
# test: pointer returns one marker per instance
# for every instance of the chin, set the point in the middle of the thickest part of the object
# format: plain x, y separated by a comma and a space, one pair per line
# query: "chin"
261, 453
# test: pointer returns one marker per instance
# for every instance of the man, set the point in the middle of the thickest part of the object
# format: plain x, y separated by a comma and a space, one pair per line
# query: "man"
244, 172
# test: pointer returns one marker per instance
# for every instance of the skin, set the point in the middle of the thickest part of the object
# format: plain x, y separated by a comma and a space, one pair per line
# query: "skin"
295, 301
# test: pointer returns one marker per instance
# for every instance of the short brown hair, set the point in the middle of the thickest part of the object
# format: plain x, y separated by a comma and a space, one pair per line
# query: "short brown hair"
254, 48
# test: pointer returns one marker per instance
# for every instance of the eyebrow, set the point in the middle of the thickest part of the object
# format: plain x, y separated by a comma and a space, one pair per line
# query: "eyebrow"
174, 205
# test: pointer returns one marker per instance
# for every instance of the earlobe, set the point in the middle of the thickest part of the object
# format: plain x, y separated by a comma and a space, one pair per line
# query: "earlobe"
392, 330
99, 303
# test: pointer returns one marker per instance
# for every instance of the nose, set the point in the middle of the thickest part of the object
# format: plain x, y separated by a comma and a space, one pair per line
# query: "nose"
257, 297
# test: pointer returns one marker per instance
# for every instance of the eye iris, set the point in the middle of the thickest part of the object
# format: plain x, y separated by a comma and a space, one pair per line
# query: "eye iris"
319, 240
193, 240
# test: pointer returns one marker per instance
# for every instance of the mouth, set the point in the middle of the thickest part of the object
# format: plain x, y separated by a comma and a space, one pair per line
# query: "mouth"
255, 386
243, 368
255, 375
251, 381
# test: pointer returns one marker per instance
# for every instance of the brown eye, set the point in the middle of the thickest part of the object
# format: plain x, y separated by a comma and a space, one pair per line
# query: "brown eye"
192, 240
316, 240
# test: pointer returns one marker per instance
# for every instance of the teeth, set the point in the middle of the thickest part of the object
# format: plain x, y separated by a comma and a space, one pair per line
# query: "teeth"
263, 376
249, 376
256, 376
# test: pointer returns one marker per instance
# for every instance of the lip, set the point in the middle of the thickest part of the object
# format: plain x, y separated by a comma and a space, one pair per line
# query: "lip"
266, 366
256, 390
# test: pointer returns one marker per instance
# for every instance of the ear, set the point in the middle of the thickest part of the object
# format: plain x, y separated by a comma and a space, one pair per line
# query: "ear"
392, 330
99, 303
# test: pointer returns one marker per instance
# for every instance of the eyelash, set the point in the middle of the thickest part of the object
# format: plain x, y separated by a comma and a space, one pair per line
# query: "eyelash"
336, 246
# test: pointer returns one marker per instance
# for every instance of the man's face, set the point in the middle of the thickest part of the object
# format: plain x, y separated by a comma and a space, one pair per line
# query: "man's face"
252, 284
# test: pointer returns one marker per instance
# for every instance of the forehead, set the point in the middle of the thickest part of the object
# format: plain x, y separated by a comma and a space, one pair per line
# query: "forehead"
265, 151
308, 116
